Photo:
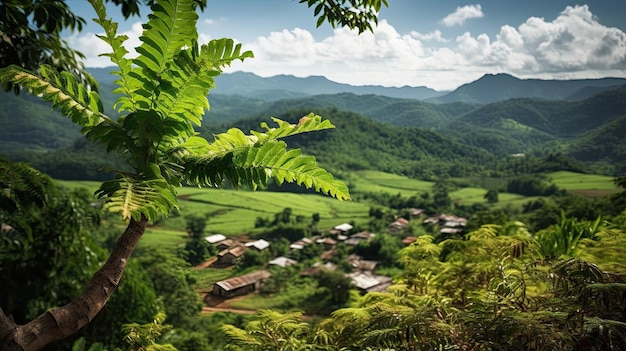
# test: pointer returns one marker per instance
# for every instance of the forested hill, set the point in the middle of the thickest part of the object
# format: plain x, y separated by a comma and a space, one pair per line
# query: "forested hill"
384, 136
359, 142
397, 112
524, 125
498, 87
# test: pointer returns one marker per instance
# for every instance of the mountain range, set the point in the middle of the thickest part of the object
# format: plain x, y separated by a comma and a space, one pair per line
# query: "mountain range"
584, 119
489, 88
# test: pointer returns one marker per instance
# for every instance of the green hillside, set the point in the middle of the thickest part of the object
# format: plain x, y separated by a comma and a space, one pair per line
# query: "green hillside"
359, 143
393, 111
527, 125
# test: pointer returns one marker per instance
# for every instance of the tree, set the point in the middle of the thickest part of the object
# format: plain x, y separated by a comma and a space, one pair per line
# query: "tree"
163, 95
491, 196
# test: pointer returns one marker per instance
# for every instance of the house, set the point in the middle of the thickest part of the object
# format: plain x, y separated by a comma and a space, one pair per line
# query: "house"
225, 244
215, 238
355, 239
300, 244
341, 229
260, 244
369, 282
230, 255
240, 285
409, 240
358, 263
283, 261
328, 243
398, 225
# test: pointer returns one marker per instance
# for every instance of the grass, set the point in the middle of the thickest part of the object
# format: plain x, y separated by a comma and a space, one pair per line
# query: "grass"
234, 212
206, 277
375, 181
584, 184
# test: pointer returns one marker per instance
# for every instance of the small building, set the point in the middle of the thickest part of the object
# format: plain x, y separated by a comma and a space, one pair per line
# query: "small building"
356, 238
409, 240
215, 238
327, 243
341, 229
398, 225
229, 256
240, 285
369, 282
358, 263
300, 244
258, 244
283, 261
226, 244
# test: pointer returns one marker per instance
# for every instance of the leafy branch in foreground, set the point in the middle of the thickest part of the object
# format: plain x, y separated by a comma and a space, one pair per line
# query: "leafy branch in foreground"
163, 96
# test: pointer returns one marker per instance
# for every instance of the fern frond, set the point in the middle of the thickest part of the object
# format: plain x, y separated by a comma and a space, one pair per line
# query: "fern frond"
126, 85
219, 53
308, 123
238, 158
63, 90
171, 25
133, 197
190, 79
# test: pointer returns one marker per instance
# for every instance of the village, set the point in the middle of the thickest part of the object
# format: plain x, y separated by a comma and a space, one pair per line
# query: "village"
362, 275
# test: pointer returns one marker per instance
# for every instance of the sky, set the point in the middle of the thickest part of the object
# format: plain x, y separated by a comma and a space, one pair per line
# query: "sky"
440, 44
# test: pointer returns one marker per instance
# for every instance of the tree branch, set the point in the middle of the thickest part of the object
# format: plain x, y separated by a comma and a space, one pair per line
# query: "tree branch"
58, 323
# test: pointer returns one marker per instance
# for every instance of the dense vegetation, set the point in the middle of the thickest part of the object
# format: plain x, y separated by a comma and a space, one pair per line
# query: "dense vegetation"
544, 273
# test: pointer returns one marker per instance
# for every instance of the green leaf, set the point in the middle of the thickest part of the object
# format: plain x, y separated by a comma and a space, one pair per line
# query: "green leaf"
133, 197
62, 90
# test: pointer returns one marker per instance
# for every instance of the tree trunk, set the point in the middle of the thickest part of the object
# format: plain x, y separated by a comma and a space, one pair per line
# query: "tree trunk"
59, 323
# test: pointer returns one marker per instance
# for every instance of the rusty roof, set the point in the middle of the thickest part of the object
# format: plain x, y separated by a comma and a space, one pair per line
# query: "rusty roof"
243, 280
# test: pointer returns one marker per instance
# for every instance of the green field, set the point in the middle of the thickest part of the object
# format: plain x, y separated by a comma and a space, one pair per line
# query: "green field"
585, 184
233, 212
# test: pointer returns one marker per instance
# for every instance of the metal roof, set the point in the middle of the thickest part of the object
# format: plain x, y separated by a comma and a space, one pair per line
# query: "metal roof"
244, 280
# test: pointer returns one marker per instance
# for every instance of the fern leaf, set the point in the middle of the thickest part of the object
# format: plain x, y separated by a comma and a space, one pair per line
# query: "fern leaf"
236, 157
133, 197
126, 85
308, 123
82, 106
170, 27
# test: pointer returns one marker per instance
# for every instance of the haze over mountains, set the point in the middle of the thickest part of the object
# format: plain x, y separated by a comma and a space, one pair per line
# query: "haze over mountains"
377, 127
487, 89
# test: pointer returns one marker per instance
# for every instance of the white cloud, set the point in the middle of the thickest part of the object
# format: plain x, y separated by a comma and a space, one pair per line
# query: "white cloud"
573, 45
434, 36
462, 14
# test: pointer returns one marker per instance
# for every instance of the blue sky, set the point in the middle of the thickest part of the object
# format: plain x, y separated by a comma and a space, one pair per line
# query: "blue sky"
439, 44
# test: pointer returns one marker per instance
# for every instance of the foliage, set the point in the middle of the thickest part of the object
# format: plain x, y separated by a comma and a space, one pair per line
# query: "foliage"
163, 95
145, 337
358, 14
173, 283
531, 186
562, 240
270, 331
46, 233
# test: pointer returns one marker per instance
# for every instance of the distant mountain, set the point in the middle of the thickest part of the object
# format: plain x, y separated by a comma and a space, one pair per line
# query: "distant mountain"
522, 125
499, 87
285, 87
393, 111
